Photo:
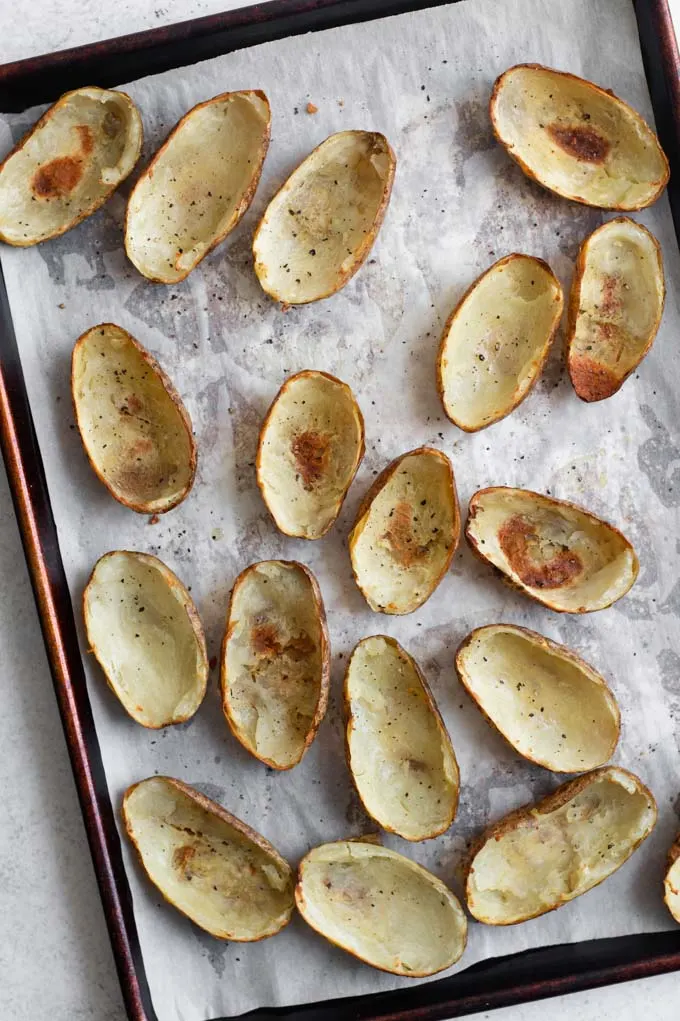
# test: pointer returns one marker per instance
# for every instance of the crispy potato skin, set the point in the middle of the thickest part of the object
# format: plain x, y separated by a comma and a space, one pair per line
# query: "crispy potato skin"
673, 855
139, 506
474, 546
97, 203
519, 396
543, 643
545, 806
498, 85
283, 389
361, 254
246, 199
441, 726
216, 809
591, 380
324, 691
380, 481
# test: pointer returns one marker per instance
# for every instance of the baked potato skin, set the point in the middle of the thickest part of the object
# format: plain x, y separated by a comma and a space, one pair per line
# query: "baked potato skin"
672, 893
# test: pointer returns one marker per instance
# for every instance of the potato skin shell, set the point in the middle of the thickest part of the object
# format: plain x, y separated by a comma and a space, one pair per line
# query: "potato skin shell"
447, 328
168, 386
215, 809
673, 855
306, 374
191, 612
545, 806
498, 85
375, 487
321, 705
595, 385
549, 646
361, 255
472, 511
429, 697
245, 202
94, 206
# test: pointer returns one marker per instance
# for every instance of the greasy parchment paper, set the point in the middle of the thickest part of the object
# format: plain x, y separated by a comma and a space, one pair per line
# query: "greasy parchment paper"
458, 205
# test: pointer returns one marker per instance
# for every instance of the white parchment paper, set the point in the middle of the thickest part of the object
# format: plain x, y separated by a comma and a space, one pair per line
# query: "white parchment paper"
458, 204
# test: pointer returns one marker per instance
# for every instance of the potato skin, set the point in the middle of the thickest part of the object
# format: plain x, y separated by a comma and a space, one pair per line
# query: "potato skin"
498, 85
324, 691
594, 382
168, 386
673, 855
545, 806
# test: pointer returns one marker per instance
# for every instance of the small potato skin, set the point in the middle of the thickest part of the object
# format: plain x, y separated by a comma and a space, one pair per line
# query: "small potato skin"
498, 85
593, 382
168, 386
322, 703
545, 806
673, 855
209, 806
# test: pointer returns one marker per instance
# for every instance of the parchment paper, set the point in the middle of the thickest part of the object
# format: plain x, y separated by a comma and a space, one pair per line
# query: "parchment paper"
458, 205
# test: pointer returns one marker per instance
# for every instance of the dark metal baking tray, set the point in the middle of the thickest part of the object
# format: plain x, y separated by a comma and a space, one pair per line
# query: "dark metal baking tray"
498, 982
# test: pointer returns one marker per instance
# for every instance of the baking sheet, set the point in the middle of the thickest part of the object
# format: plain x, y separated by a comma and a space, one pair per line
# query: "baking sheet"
458, 204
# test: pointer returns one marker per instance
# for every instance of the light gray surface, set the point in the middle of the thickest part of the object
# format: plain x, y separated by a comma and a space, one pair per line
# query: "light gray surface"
58, 963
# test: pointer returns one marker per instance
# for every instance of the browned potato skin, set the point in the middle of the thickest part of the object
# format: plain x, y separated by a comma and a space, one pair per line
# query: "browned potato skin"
498, 84
348, 733
305, 374
546, 805
378, 484
191, 612
593, 382
673, 855
368, 242
94, 206
216, 809
519, 398
544, 643
509, 581
140, 508
245, 201
321, 705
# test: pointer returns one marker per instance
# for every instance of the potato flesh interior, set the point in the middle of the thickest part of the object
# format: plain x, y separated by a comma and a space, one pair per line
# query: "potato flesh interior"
139, 629
274, 662
547, 860
497, 341
562, 555
76, 157
131, 427
620, 302
316, 226
552, 710
309, 452
381, 908
194, 188
207, 868
401, 757
579, 141
672, 889
407, 535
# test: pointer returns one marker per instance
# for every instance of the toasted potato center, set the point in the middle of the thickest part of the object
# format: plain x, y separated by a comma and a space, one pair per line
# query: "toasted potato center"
580, 142
541, 561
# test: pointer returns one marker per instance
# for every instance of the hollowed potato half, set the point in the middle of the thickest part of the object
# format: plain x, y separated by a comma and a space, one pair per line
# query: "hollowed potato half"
68, 164
381, 907
545, 700
398, 750
275, 661
577, 139
198, 185
217, 871
311, 444
136, 432
615, 306
497, 339
672, 881
319, 228
146, 635
543, 856
554, 551
406, 532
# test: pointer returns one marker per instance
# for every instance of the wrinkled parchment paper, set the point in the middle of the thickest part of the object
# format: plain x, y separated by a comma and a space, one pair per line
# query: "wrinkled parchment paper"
458, 204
